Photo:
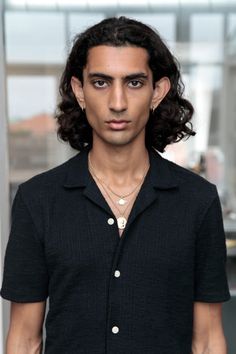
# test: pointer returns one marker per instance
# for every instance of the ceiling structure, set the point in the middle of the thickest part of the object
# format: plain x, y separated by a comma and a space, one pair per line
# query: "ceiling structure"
113, 4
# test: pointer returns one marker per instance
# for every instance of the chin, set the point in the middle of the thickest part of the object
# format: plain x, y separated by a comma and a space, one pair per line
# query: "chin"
120, 143
118, 140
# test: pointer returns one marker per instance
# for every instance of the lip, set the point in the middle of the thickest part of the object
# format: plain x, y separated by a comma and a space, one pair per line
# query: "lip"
118, 124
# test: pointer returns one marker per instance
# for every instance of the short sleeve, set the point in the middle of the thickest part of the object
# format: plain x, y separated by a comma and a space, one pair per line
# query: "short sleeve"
211, 283
25, 277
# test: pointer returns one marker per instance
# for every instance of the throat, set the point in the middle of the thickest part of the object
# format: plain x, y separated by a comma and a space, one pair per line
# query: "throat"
119, 197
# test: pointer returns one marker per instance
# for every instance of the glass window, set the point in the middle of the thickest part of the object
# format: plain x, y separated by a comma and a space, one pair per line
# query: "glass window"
30, 95
231, 27
33, 143
15, 2
205, 83
231, 34
165, 24
34, 37
79, 22
206, 36
169, 3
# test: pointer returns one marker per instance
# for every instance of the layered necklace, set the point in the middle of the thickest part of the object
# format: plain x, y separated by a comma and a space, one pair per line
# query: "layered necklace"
122, 199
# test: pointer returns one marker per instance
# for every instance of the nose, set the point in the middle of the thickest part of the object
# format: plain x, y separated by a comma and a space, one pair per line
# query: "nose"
117, 98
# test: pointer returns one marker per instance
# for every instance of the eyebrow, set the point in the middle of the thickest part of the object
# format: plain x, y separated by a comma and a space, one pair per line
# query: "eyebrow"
127, 77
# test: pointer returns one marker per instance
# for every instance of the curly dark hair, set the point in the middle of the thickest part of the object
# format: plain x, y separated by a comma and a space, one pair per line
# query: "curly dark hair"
169, 123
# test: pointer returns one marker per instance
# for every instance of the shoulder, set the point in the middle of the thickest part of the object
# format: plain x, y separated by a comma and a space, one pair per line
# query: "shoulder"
189, 177
195, 194
191, 185
47, 182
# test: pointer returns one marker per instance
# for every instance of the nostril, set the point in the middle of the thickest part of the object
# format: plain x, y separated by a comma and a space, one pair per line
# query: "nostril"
117, 111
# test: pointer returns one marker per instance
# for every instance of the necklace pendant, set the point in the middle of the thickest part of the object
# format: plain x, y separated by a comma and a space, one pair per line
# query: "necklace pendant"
121, 221
122, 201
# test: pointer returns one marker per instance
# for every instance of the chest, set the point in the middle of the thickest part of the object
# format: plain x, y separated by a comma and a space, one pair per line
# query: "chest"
82, 236
120, 205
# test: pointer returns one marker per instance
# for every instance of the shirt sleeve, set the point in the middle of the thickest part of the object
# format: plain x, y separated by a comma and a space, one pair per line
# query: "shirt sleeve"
211, 283
25, 277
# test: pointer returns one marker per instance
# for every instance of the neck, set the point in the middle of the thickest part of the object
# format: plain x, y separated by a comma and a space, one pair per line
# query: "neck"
119, 165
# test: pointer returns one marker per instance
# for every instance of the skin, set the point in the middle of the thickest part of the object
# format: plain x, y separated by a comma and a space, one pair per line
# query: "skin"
25, 330
121, 156
208, 334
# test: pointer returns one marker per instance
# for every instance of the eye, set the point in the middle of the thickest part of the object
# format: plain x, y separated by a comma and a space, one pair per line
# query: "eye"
135, 83
100, 83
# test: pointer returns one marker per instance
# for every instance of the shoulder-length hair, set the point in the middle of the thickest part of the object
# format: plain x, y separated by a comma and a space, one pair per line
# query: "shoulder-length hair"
169, 123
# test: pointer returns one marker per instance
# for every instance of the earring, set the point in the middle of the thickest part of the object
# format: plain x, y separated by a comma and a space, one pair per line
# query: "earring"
153, 109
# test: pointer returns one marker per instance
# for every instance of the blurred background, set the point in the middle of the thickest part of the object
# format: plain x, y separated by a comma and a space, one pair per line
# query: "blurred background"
35, 38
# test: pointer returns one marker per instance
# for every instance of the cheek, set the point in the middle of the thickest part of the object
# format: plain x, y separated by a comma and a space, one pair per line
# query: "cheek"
95, 103
141, 100
94, 113
141, 107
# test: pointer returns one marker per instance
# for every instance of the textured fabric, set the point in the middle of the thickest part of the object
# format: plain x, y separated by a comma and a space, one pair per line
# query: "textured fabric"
171, 254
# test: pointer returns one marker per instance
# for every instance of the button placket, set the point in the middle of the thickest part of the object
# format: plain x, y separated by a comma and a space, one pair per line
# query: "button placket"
114, 330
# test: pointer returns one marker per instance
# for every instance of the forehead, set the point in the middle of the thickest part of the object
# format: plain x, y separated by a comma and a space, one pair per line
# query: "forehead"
108, 59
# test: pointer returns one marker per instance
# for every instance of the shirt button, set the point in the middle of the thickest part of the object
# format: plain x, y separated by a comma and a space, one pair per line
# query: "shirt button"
110, 221
115, 329
117, 273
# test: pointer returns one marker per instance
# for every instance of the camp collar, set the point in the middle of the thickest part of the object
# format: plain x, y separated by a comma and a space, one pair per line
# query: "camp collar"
161, 173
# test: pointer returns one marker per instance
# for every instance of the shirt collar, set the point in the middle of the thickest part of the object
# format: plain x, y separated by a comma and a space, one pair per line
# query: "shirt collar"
161, 173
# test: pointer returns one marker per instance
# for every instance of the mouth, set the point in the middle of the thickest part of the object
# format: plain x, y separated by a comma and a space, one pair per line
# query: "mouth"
118, 124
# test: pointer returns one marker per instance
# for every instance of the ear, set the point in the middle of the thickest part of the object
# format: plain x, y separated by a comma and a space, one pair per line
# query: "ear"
77, 88
161, 89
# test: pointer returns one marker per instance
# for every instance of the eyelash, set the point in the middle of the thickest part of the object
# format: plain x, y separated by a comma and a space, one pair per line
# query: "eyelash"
95, 82
140, 83
98, 81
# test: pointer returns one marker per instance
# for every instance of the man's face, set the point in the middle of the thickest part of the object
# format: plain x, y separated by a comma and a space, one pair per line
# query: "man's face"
117, 93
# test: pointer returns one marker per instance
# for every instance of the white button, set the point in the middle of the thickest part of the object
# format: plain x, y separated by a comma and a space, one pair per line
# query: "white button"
115, 329
117, 273
110, 221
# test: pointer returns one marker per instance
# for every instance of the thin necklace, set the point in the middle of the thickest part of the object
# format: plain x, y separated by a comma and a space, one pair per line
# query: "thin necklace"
121, 200
121, 220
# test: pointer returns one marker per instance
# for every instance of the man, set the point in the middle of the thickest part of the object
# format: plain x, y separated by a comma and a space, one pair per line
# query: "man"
128, 247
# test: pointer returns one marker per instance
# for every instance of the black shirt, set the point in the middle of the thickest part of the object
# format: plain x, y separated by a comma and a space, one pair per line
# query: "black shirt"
113, 295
